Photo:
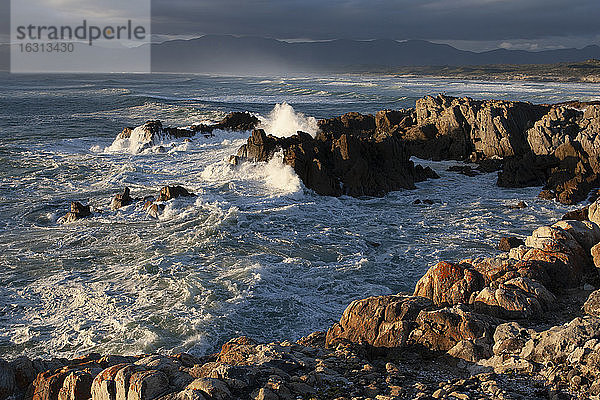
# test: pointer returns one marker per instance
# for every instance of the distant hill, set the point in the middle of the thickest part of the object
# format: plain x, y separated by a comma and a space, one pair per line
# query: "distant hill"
259, 56
252, 55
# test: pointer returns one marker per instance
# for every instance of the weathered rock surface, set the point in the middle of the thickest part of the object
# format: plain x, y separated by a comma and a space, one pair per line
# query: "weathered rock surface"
449, 284
335, 164
122, 199
381, 322
153, 130
78, 211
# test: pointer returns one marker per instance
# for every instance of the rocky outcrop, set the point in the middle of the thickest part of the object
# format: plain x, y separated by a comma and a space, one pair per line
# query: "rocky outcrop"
335, 164
78, 211
122, 199
152, 130
155, 206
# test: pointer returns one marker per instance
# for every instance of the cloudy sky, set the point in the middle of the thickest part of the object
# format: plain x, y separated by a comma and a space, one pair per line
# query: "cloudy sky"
467, 24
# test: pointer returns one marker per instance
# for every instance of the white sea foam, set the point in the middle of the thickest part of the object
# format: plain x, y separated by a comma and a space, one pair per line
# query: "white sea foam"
284, 121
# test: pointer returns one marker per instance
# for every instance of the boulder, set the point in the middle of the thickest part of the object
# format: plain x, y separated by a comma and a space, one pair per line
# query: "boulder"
592, 304
214, 388
558, 342
76, 386
78, 211
380, 322
510, 242
595, 252
580, 214
510, 338
147, 385
586, 233
122, 199
518, 298
444, 328
449, 284
173, 192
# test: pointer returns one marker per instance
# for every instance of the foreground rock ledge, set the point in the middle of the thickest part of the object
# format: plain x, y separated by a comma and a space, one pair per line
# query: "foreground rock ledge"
523, 324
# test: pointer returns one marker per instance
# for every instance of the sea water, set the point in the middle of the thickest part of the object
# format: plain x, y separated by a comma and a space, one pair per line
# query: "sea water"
255, 253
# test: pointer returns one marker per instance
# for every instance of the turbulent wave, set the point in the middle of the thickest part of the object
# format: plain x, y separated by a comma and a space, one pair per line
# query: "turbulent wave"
284, 121
255, 253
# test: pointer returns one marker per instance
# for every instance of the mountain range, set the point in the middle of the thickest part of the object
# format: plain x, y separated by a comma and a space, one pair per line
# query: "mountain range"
252, 55
261, 56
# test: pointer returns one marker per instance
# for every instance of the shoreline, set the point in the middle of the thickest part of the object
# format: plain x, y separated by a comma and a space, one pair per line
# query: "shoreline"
508, 326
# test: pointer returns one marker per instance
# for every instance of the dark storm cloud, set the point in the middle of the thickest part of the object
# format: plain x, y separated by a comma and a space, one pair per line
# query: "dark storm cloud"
365, 19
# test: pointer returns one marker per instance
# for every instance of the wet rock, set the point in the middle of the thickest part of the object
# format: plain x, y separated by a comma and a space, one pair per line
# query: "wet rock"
510, 242
237, 121
463, 170
341, 160
122, 199
381, 322
7, 379
173, 192
580, 214
519, 206
449, 284
78, 211
25, 371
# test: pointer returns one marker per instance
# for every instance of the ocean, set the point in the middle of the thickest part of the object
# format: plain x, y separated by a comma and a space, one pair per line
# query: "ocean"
255, 253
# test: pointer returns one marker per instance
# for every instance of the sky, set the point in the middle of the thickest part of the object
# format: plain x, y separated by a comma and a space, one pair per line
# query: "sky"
467, 24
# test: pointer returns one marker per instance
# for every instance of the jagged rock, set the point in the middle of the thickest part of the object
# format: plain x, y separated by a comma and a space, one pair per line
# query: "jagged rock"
580, 214
351, 123
237, 121
564, 259
510, 242
454, 128
555, 128
345, 159
592, 304
471, 350
381, 322
173, 192
514, 299
122, 199
443, 329
449, 284
7, 379
78, 211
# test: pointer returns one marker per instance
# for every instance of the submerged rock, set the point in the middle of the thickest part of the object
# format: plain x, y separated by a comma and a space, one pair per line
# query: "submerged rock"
78, 211
122, 199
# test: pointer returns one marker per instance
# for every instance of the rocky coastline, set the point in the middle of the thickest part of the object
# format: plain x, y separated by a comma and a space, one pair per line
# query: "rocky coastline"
523, 324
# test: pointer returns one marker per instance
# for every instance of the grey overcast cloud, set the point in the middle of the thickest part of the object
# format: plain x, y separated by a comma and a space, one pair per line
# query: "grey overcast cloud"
467, 24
